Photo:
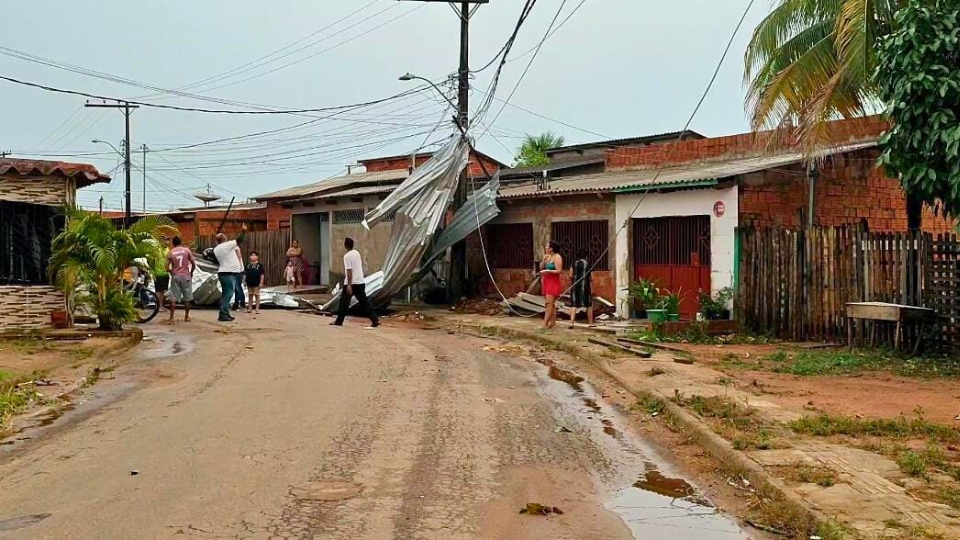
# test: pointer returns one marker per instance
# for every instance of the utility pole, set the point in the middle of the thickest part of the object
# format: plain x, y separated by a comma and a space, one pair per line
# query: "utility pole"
458, 253
144, 148
101, 205
5, 153
127, 110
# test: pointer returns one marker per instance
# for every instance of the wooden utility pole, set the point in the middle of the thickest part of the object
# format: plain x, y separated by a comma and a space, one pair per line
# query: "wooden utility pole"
144, 148
127, 110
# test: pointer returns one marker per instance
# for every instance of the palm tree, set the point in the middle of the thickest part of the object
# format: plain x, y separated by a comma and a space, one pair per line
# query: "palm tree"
812, 61
533, 151
90, 256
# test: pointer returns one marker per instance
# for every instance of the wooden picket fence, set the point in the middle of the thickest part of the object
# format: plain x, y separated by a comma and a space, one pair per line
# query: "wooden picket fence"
271, 246
795, 283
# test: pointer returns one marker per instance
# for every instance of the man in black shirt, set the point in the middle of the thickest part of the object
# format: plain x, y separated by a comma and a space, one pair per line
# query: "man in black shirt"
255, 277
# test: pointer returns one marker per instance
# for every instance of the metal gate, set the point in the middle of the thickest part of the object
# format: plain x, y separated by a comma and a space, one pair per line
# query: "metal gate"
674, 253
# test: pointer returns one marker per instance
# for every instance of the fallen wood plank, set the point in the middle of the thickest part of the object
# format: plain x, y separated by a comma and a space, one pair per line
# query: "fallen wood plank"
533, 299
533, 285
685, 361
526, 306
618, 347
661, 346
603, 301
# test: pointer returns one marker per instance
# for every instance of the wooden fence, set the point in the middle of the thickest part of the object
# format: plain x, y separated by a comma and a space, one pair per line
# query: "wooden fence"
271, 246
795, 283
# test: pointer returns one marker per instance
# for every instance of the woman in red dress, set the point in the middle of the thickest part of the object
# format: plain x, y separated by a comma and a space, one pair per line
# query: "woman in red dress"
550, 269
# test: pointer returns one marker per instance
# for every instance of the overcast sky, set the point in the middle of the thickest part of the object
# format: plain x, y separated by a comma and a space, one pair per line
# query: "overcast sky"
617, 68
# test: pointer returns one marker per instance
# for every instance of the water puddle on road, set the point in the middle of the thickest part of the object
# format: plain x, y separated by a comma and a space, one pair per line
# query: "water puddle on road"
641, 488
162, 345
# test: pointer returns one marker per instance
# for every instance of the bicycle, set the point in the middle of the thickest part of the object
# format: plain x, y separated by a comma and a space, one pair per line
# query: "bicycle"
144, 300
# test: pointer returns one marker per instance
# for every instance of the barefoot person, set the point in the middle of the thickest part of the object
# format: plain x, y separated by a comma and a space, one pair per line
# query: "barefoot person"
180, 266
295, 256
581, 293
354, 285
550, 269
255, 278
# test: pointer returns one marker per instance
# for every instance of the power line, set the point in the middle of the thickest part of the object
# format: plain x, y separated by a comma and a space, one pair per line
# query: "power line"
195, 109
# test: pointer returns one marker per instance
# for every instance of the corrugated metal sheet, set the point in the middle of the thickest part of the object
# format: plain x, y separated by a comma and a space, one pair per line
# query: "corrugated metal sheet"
555, 165
483, 203
643, 139
84, 173
323, 186
687, 175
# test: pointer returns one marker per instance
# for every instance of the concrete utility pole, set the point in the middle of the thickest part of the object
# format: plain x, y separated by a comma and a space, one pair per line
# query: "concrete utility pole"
458, 253
127, 110
144, 148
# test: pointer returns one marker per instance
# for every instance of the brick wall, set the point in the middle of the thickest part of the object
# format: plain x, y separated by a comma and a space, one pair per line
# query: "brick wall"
47, 190
542, 214
850, 189
277, 215
744, 144
403, 163
28, 307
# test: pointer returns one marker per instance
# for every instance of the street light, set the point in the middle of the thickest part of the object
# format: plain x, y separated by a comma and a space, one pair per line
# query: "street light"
98, 141
411, 76
127, 194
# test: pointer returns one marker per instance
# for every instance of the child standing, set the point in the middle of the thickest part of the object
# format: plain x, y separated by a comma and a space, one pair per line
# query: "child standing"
255, 277
291, 273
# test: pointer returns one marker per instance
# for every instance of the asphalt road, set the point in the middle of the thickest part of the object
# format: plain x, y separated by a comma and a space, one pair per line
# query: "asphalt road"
285, 427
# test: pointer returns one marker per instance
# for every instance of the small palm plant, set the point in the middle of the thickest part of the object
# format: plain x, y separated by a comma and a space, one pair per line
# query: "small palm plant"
90, 256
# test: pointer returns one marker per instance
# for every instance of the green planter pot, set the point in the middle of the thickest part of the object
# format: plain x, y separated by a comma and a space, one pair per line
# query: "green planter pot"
673, 317
657, 315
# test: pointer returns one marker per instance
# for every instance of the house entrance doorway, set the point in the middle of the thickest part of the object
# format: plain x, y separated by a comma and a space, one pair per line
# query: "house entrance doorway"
674, 253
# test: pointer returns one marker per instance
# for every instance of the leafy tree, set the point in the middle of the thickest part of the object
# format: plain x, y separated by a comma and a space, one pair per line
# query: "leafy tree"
812, 61
919, 77
90, 256
533, 151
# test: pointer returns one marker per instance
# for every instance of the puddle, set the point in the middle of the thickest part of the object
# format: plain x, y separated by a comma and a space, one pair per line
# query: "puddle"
20, 522
168, 345
640, 486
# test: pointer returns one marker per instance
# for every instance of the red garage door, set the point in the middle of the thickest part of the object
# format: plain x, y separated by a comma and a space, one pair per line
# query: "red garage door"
674, 252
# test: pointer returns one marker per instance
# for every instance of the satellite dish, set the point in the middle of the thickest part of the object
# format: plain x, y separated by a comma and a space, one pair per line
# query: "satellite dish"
207, 197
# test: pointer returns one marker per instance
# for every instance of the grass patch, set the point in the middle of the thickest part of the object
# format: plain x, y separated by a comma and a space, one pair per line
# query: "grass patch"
950, 496
802, 473
656, 371
913, 463
826, 425
849, 361
737, 422
650, 405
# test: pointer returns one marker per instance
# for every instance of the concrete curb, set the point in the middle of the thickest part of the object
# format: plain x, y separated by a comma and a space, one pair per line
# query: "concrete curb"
718, 447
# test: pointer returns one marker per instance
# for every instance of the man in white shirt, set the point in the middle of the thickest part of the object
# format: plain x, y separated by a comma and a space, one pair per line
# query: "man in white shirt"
230, 264
353, 285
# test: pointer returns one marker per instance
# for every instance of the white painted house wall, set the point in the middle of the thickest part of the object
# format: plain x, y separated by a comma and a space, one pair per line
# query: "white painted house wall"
679, 203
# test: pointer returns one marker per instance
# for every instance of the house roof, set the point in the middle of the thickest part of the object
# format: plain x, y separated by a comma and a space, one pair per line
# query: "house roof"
554, 165
330, 184
629, 141
84, 173
355, 192
428, 155
690, 175
223, 207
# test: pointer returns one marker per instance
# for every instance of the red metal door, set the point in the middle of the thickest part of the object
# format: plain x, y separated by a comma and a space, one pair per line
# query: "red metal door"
674, 253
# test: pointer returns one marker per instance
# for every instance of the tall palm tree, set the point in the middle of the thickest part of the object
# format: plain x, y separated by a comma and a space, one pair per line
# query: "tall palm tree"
533, 150
90, 255
812, 61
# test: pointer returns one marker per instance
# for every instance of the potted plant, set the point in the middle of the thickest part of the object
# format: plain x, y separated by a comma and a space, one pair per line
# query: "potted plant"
645, 296
671, 306
715, 308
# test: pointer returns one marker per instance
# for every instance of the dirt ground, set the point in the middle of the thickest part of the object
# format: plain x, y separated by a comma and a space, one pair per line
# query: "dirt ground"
868, 394
285, 427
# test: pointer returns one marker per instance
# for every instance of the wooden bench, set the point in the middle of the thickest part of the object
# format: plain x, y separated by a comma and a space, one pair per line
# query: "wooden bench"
882, 311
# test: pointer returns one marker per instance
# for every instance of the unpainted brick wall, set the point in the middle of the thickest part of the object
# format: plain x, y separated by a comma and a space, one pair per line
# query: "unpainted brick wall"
277, 215
28, 307
849, 190
46, 190
542, 213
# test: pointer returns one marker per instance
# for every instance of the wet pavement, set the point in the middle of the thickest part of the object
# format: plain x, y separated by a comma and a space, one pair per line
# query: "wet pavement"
639, 486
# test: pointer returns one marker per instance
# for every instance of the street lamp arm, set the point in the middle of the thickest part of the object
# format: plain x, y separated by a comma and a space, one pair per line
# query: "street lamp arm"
411, 76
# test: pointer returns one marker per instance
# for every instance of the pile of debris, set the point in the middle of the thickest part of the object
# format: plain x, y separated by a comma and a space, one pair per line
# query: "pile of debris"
479, 306
529, 304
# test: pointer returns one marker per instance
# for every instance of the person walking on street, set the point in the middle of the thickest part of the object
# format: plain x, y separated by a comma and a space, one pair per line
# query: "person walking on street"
180, 265
256, 276
230, 263
581, 293
354, 285
161, 278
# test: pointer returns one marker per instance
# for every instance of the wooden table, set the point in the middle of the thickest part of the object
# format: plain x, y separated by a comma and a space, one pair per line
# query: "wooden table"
882, 311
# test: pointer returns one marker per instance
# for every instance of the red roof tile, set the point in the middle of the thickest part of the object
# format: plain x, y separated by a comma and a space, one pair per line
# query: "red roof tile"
84, 173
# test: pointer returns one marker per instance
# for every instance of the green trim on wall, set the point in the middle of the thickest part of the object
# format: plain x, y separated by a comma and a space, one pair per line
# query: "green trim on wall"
736, 258
674, 185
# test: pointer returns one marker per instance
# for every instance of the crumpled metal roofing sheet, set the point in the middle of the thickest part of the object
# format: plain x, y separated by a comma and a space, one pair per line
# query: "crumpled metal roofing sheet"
692, 175
481, 206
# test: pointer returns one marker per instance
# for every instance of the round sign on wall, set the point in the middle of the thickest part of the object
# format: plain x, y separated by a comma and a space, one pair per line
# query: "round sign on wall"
719, 208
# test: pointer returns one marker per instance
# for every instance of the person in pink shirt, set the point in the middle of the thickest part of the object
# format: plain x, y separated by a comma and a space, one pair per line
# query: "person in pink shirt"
180, 265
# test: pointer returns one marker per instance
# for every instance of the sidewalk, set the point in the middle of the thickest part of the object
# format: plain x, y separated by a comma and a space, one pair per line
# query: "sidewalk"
834, 477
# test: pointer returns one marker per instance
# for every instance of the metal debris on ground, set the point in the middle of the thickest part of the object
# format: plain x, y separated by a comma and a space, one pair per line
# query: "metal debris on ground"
479, 306
537, 509
134, 472
620, 348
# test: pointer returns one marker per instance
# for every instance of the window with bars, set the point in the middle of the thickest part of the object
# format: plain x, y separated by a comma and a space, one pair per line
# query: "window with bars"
575, 237
672, 241
510, 246
26, 231
343, 217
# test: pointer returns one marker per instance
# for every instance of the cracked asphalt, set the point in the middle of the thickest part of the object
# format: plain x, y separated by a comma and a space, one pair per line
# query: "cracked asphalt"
285, 427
